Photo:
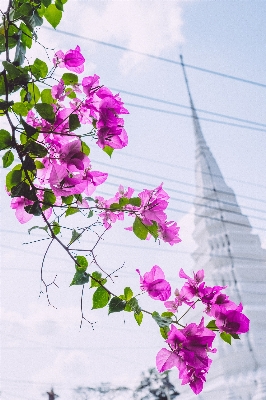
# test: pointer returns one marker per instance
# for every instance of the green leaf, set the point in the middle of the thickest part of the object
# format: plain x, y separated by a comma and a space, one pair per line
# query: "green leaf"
75, 236
20, 54
8, 158
13, 178
80, 278
135, 201
84, 148
82, 263
33, 20
123, 201
2, 86
30, 130
34, 209
108, 150
46, 111
98, 276
13, 72
56, 227
73, 122
35, 149
138, 318
100, 298
116, 305
32, 94
53, 15
45, 228
22, 189
115, 206
70, 93
26, 36
128, 293
48, 199
4, 105
70, 79
167, 314
39, 69
20, 109
68, 199
164, 330
140, 230
46, 3
235, 336
212, 325
90, 214
39, 164
71, 211
134, 305
153, 229
24, 10
59, 5
47, 97
5, 139
226, 337
29, 163
161, 321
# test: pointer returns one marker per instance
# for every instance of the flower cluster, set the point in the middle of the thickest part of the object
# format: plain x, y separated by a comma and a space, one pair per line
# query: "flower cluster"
188, 352
228, 315
148, 208
61, 160
189, 346
66, 169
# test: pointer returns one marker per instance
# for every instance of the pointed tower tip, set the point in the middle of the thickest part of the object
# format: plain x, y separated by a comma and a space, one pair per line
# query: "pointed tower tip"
200, 141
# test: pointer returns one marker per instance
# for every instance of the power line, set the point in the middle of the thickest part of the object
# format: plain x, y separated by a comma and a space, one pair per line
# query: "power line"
178, 191
180, 182
189, 116
201, 215
183, 183
186, 168
158, 57
188, 107
159, 249
191, 202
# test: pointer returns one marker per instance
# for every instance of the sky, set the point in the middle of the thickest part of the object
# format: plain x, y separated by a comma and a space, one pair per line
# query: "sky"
43, 346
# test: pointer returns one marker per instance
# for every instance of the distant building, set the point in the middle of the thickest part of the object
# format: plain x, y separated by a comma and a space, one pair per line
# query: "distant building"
231, 255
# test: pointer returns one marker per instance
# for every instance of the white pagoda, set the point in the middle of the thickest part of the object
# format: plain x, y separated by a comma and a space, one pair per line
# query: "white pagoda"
231, 256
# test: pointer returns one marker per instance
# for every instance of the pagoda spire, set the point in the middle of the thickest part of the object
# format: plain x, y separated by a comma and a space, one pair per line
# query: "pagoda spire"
231, 256
197, 128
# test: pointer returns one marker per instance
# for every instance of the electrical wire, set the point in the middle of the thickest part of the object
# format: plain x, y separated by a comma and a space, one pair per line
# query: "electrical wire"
157, 57
187, 107
189, 116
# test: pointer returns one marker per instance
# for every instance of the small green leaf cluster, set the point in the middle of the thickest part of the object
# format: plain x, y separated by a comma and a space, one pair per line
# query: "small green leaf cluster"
226, 337
164, 320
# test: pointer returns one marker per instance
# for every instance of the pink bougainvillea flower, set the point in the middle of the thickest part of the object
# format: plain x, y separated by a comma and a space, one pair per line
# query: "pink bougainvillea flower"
168, 232
191, 288
189, 347
153, 204
172, 305
231, 321
93, 178
58, 91
154, 283
73, 60
115, 137
64, 184
18, 204
89, 83
198, 277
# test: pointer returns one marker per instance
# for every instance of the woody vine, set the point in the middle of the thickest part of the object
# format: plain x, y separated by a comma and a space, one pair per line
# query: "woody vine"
54, 179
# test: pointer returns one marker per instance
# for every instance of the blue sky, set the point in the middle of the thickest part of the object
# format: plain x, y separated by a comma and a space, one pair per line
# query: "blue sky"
43, 346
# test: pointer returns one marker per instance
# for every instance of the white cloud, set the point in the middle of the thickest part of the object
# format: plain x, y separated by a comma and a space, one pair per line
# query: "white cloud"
150, 26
